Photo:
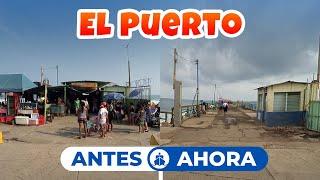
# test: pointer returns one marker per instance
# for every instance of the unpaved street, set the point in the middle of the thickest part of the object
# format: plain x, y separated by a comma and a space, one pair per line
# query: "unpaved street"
33, 152
291, 156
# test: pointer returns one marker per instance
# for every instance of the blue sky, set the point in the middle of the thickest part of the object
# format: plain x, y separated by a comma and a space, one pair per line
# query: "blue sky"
35, 33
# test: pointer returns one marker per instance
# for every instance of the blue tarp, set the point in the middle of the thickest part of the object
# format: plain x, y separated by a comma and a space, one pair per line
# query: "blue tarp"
135, 92
15, 83
113, 96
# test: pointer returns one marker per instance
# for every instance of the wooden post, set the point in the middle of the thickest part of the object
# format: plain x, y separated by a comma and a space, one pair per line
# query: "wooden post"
45, 101
198, 110
65, 94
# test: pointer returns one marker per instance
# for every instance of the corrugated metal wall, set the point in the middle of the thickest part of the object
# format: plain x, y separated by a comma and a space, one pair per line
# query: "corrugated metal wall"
313, 116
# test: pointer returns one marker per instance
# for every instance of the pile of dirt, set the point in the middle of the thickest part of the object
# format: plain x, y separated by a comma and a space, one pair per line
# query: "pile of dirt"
165, 124
291, 131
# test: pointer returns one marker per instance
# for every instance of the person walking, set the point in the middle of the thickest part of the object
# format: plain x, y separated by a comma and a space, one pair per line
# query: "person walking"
225, 107
82, 118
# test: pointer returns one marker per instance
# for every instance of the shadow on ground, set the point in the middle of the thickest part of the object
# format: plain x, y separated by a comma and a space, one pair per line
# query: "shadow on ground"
68, 132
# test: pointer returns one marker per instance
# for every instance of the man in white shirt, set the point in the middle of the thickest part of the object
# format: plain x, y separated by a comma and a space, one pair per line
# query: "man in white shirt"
225, 107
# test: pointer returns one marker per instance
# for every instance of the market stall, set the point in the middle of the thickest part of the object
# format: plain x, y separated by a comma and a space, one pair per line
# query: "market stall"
56, 97
14, 108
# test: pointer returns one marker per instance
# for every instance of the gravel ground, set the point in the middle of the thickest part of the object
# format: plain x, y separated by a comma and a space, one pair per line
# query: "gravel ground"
290, 157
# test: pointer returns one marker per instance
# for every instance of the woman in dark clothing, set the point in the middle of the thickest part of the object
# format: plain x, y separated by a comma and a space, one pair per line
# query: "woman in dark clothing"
110, 116
131, 114
82, 119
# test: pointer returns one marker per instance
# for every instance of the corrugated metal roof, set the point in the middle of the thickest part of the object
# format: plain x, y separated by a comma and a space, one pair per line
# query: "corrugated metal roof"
15, 83
282, 83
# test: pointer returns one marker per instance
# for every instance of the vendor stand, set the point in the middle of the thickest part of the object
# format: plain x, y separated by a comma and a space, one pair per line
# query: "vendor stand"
27, 113
15, 107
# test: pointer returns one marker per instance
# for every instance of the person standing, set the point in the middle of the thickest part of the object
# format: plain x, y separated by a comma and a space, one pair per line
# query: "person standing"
148, 116
103, 117
86, 103
82, 119
141, 119
131, 114
77, 105
110, 116
118, 112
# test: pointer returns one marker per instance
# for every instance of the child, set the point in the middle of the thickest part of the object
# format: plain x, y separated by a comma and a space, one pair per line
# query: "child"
90, 127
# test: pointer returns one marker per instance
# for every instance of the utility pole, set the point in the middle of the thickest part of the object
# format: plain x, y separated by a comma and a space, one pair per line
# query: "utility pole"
177, 94
129, 73
174, 66
45, 100
214, 94
41, 75
57, 75
318, 75
197, 63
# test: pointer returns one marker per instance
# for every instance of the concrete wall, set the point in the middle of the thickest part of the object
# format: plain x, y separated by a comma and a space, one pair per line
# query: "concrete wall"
273, 119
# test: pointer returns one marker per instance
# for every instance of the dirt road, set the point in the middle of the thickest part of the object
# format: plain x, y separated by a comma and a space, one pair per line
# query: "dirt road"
290, 157
33, 152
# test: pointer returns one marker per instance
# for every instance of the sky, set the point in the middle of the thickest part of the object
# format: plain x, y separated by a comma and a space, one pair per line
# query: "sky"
35, 33
280, 43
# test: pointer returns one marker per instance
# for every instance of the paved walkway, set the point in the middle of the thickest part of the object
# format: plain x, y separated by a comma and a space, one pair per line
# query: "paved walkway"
289, 157
33, 152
